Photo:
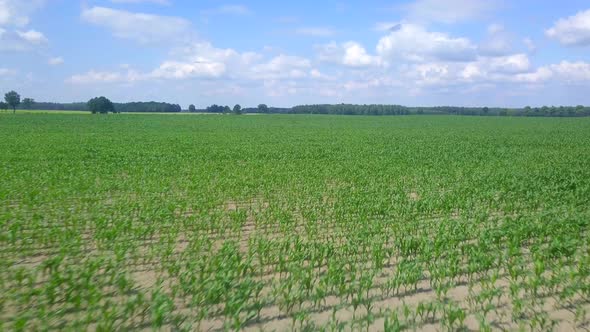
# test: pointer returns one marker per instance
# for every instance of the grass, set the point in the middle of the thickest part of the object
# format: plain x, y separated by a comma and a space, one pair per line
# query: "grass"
293, 222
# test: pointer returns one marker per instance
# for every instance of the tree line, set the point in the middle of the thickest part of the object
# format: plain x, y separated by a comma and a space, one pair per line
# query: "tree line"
12, 100
237, 109
384, 109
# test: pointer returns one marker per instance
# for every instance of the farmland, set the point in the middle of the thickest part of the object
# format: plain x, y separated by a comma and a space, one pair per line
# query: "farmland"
281, 222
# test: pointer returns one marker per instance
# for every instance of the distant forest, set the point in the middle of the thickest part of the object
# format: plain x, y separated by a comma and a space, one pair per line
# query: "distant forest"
151, 107
340, 109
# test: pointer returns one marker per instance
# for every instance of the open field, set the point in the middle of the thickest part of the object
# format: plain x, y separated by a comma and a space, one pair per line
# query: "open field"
294, 222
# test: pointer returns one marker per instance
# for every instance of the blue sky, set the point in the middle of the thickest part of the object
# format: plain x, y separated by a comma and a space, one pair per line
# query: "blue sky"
415, 52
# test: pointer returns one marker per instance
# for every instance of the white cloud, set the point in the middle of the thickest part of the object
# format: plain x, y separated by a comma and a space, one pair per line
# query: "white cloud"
350, 54
94, 76
540, 75
412, 42
572, 31
450, 11
282, 67
516, 63
56, 61
318, 75
530, 45
315, 31
487, 71
182, 70
203, 60
16, 12
143, 28
19, 41
564, 72
497, 43
572, 71
32, 36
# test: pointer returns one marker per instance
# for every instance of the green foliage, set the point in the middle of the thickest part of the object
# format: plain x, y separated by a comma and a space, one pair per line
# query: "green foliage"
12, 98
293, 222
28, 103
100, 105
262, 108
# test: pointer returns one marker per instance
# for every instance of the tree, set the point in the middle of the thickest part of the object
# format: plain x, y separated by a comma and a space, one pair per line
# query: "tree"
486, 110
192, 108
262, 108
237, 109
3, 106
100, 105
13, 99
226, 110
28, 103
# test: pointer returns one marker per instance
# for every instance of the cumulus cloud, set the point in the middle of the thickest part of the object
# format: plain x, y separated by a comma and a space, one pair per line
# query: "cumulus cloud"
413, 42
182, 70
450, 11
204, 61
487, 71
530, 45
350, 54
573, 30
539, 75
497, 43
140, 27
572, 71
94, 76
14, 17
17, 12
281, 67
20, 40
32, 36
510, 64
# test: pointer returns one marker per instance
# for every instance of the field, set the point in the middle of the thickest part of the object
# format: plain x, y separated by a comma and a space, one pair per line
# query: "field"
294, 222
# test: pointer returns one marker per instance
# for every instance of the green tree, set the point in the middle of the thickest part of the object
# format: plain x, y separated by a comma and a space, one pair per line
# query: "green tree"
100, 105
262, 108
226, 110
192, 108
3, 106
13, 99
237, 109
28, 103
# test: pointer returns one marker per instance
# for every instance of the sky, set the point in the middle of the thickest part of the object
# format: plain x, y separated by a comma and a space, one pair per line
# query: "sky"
495, 53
